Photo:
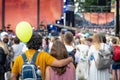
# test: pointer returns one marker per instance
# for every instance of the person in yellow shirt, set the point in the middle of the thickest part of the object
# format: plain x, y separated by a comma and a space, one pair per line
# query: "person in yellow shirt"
43, 59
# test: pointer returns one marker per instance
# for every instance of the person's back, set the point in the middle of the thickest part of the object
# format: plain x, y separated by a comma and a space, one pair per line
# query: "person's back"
81, 53
29, 54
81, 60
59, 51
93, 59
68, 75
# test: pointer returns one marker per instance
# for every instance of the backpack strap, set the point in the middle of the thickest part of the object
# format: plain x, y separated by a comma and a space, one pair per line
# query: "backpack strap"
34, 56
24, 57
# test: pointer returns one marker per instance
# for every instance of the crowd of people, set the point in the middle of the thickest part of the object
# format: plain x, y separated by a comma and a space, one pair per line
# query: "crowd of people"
63, 57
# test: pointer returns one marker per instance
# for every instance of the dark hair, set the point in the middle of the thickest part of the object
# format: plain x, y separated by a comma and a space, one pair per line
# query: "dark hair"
59, 51
89, 39
47, 41
35, 41
16, 40
5, 40
103, 39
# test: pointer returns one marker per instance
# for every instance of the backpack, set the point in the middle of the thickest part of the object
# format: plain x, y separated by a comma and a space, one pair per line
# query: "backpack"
104, 60
116, 53
72, 53
29, 69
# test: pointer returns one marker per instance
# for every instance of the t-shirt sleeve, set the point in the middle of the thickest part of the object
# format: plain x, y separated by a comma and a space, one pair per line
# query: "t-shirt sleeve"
16, 68
49, 59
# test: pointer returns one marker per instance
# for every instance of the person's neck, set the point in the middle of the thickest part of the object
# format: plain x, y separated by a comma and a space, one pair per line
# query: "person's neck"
68, 44
115, 45
32, 50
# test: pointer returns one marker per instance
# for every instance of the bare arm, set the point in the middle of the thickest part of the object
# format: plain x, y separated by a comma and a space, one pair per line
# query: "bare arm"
63, 62
47, 74
13, 76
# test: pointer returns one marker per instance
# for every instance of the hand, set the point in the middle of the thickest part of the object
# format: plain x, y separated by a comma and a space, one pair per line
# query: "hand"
71, 59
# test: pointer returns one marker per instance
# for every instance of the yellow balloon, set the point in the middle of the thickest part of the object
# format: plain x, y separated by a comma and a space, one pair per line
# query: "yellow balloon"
24, 31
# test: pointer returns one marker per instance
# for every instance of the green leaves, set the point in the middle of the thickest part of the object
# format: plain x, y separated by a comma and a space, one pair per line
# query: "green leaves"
91, 5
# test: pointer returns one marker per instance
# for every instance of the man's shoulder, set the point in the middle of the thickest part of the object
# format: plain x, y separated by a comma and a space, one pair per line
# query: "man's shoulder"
43, 53
18, 58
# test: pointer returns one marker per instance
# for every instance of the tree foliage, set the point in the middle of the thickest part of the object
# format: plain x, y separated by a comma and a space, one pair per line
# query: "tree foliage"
91, 5
90, 2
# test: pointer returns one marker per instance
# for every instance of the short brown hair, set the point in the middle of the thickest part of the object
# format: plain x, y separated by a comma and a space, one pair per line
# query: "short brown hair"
68, 37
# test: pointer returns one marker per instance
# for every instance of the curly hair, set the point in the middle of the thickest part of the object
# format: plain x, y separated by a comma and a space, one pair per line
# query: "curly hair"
59, 51
35, 41
16, 40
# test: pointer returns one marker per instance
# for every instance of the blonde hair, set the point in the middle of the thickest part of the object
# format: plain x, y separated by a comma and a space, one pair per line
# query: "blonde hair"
82, 40
97, 40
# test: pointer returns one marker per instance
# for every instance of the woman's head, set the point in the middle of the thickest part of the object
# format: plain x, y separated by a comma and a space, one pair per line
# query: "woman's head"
35, 41
97, 38
58, 50
82, 40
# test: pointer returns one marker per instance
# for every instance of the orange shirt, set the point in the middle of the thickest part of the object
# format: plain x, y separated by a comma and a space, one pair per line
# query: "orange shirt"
43, 60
